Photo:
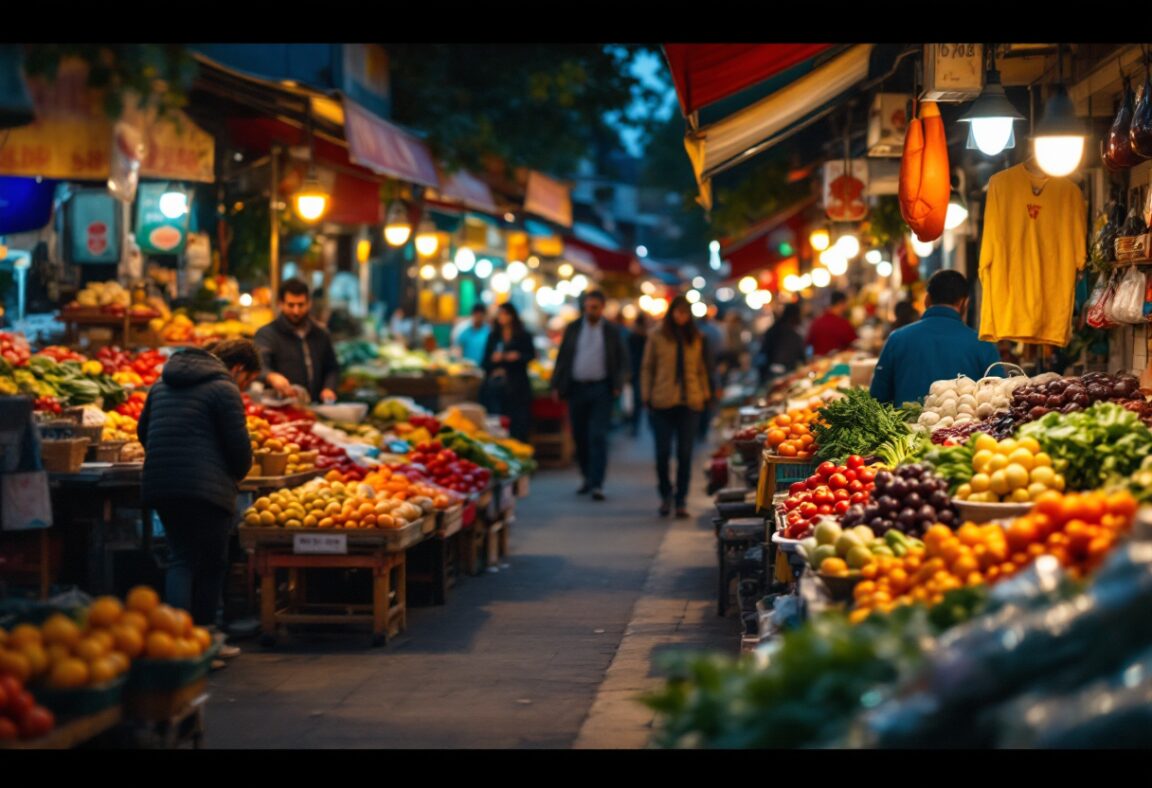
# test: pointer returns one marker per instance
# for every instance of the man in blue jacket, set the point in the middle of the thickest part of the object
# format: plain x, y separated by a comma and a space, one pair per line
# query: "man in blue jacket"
937, 347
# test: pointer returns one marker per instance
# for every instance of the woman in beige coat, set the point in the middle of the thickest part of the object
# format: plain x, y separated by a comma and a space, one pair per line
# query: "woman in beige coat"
674, 384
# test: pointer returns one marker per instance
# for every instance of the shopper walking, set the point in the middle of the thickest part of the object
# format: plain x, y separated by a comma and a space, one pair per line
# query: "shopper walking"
194, 431
591, 369
676, 389
637, 339
831, 332
296, 350
471, 336
782, 348
506, 356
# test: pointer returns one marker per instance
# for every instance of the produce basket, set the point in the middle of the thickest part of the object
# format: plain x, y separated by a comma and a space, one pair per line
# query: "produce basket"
82, 701
105, 451
971, 511
150, 675
449, 521
160, 705
93, 434
274, 464
63, 456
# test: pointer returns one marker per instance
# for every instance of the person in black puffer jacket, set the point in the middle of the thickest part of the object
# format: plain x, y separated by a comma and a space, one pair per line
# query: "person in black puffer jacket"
195, 436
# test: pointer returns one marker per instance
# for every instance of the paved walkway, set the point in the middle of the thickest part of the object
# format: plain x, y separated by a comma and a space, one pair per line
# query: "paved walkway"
515, 659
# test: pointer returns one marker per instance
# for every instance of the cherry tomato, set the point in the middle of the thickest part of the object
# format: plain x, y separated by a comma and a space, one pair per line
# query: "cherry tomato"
866, 475
856, 486
841, 494
852, 475
858, 497
8, 730
826, 469
838, 481
36, 723
825, 509
814, 481
808, 510
20, 704
797, 488
793, 518
841, 507
792, 503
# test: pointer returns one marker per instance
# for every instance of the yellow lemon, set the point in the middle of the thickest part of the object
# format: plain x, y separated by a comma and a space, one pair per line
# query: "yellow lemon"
981, 459
1020, 495
1022, 457
1031, 444
1042, 460
985, 442
1017, 476
1035, 490
1043, 474
964, 491
1006, 446
980, 483
999, 483
998, 463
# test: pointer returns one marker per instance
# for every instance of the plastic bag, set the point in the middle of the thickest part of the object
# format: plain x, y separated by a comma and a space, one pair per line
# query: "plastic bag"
1128, 303
1097, 313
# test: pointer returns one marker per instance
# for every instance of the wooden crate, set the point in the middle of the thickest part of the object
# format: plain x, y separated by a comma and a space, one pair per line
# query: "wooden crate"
161, 705
63, 456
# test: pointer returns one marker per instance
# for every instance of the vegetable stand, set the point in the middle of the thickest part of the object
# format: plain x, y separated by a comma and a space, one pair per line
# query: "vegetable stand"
296, 549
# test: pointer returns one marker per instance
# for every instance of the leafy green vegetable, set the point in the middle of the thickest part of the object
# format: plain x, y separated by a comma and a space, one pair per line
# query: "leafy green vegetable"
856, 424
1092, 446
903, 448
954, 463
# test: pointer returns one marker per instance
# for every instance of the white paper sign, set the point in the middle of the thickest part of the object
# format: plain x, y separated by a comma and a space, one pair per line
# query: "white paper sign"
320, 544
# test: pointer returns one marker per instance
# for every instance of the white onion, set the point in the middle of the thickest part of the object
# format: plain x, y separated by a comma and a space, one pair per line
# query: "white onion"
985, 409
929, 418
939, 387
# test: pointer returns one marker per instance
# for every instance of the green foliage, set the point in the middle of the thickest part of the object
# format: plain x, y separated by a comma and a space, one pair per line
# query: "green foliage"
534, 105
160, 74
886, 223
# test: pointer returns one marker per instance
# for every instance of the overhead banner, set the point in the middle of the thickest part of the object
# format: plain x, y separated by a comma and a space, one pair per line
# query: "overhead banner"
387, 149
72, 136
548, 199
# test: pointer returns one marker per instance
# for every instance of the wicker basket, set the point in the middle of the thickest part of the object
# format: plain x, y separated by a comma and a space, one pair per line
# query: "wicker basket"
63, 456
93, 434
105, 451
274, 464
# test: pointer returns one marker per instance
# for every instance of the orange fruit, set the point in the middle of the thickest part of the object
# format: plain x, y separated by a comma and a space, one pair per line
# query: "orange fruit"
786, 449
69, 674
203, 637
164, 619
135, 619
105, 612
61, 629
90, 650
121, 660
143, 599
129, 640
37, 658
184, 619
103, 670
57, 652
1121, 504
25, 634
105, 637
160, 645
14, 663
187, 648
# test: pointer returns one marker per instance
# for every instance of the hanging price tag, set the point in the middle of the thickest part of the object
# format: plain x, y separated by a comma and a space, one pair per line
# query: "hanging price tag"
320, 544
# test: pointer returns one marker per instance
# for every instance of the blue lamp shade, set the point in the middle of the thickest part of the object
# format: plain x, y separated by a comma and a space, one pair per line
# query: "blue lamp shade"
25, 204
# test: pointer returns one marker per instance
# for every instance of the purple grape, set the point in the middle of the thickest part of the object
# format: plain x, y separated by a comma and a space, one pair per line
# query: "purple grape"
906, 516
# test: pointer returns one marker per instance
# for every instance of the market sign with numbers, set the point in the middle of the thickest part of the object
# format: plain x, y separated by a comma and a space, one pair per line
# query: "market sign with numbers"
953, 72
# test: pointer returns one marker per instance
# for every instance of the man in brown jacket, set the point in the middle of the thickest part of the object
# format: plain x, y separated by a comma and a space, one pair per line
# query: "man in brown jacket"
675, 386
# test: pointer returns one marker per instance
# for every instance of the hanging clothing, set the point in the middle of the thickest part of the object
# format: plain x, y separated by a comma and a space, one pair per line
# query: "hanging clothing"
1033, 245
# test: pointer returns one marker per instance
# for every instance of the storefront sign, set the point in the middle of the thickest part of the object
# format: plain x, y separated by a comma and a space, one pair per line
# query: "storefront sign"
366, 77
953, 72
155, 232
845, 190
320, 544
72, 137
548, 199
92, 221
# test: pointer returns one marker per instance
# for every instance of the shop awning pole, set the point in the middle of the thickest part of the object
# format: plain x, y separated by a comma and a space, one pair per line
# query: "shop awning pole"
274, 241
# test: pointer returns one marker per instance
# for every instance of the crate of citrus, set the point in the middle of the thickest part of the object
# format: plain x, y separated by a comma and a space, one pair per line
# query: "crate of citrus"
78, 664
789, 434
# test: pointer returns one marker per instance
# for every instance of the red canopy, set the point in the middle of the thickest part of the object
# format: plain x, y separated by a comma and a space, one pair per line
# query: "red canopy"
607, 260
707, 73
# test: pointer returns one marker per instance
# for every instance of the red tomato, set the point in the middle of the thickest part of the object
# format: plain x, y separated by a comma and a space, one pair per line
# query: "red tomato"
866, 475
797, 488
852, 475
36, 723
808, 510
855, 461
837, 481
826, 469
814, 481
823, 496
841, 494
8, 730
826, 509
793, 518
856, 486
858, 497
791, 503
841, 507
20, 704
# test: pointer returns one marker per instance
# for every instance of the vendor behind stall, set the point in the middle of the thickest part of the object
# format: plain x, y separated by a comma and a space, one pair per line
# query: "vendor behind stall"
296, 350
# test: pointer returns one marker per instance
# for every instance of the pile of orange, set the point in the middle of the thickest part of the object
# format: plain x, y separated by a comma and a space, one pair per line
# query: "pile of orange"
400, 487
1078, 529
789, 434
336, 505
62, 654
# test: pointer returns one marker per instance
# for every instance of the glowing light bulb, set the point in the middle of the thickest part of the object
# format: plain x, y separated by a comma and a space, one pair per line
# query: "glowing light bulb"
693, 296
748, 284
821, 277
484, 268
699, 309
884, 268
465, 259
449, 271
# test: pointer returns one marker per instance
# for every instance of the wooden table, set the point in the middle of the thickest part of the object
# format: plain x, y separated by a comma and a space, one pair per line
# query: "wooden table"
380, 550
72, 733
265, 484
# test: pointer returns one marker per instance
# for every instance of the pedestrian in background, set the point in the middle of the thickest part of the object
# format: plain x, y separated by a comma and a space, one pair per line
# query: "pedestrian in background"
715, 343
194, 431
637, 339
782, 348
676, 387
509, 349
906, 314
591, 369
832, 332
471, 336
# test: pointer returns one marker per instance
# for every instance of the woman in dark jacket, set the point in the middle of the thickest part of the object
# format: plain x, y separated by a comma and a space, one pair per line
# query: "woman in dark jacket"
506, 356
195, 436
782, 349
